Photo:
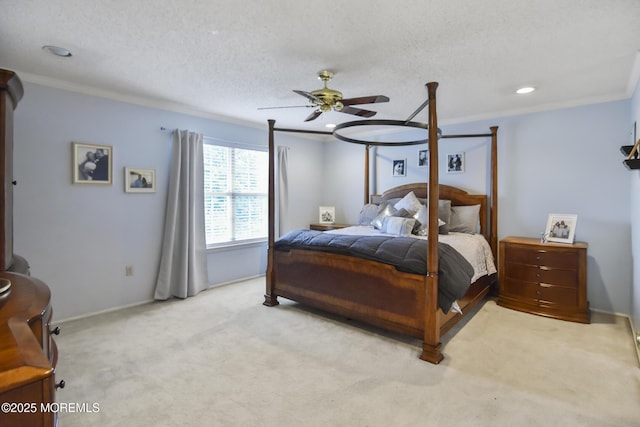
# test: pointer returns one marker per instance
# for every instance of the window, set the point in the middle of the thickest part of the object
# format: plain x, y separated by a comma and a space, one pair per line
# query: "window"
236, 183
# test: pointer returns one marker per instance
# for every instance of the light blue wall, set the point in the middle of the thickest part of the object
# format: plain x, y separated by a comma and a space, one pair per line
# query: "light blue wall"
562, 161
79, 238
634, 212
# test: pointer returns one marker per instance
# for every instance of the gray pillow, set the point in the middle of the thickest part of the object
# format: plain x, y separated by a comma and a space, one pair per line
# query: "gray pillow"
444, 213
465, 219
398, 226
368, 213
386, 211
422, 222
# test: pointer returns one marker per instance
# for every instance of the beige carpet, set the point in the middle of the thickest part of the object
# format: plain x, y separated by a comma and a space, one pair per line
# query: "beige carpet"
223, 359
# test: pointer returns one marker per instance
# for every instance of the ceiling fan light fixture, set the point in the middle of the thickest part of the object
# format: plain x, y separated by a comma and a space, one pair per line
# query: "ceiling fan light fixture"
57, 51
525, 90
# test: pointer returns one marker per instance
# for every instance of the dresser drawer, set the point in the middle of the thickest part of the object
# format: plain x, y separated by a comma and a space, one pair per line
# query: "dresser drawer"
545, 275
549, 258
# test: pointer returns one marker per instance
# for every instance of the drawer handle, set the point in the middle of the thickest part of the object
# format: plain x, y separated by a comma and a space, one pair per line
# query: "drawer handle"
61, 384
55, 331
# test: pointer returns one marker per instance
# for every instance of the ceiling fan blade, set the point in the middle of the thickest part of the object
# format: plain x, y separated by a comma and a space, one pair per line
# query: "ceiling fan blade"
358, 111
365, 100
287, 106
309, 96
313, 116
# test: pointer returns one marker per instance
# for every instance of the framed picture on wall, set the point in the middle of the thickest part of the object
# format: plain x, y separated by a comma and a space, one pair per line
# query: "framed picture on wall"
139, 180
91, 163
327, 215
400, 167
561, 228
423, 158
455, 163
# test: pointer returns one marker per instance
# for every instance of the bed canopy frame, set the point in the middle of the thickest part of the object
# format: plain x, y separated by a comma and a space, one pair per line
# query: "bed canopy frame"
431, 344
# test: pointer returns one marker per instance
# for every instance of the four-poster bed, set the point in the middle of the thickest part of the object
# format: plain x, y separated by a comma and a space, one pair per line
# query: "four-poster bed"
375, 292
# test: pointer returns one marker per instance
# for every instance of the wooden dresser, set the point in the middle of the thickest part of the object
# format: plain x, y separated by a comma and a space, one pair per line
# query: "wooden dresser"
547, 279
28, 354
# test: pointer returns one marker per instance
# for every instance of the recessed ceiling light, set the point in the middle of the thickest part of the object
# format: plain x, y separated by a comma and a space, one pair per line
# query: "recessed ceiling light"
57, 51
524, 90
330, 125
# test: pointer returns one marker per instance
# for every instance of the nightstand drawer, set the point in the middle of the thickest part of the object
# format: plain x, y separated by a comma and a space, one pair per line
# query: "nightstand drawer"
550, 258
534, 293
556, 295
558, 277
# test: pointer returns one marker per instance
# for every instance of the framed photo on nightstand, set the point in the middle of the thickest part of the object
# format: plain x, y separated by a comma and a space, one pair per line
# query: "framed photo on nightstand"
561, 228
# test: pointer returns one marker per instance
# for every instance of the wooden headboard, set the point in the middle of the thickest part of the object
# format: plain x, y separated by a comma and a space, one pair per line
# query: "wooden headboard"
457, 196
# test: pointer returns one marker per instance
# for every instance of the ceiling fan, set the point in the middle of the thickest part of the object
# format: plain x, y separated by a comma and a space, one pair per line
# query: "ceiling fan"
327, 99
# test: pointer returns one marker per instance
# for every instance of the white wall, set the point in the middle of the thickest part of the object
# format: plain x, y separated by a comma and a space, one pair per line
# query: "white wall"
562, 161
79, 238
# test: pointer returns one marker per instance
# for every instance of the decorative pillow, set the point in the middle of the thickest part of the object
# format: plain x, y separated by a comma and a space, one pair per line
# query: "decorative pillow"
465, 219
422, 222
386, 211
398, 226
444, 213
368, 213
410, 203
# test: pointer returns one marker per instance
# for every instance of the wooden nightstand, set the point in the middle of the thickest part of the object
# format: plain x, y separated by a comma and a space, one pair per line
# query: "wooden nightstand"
547, 279
325, 227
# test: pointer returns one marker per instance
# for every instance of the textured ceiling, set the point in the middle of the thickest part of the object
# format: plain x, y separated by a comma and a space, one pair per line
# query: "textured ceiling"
224, 59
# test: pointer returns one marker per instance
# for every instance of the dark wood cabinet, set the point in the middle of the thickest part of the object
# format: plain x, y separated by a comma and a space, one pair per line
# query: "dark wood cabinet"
547, 279
28, 353
11, 92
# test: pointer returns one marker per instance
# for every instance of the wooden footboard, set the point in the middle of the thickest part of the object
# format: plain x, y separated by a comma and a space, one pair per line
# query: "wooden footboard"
368, 291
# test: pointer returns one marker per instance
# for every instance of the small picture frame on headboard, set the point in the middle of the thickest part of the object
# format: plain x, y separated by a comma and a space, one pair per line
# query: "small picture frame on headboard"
327, 215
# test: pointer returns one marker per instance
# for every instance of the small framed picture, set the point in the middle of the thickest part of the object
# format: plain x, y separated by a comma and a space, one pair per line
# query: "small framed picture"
423, 158
400, 167
138, 180
327, 215
455, 163
91, 163
561, 228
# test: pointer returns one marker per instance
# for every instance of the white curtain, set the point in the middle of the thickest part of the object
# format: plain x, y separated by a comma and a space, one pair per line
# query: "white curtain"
283, 190
183, 264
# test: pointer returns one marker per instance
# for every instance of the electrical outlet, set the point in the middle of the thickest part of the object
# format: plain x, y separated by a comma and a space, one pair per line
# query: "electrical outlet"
128, 270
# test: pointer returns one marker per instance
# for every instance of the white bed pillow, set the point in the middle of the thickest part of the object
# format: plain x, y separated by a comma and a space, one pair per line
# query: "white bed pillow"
398, 226
465, 219
410, 203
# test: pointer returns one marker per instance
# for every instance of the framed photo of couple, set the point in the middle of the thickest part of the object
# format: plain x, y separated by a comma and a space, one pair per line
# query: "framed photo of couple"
91, 163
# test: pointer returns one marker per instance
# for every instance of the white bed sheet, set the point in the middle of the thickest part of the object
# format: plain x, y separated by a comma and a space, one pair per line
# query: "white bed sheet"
473, 247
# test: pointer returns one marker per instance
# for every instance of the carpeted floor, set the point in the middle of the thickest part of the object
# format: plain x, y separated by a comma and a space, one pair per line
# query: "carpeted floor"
223, 359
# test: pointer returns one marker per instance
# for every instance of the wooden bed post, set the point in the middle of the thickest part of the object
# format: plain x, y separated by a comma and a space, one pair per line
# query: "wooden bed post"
493, 242
366, 174
269, 298
431, 344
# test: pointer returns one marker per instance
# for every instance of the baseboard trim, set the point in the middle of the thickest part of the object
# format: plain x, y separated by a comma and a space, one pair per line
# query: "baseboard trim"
107, 310
136, 304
